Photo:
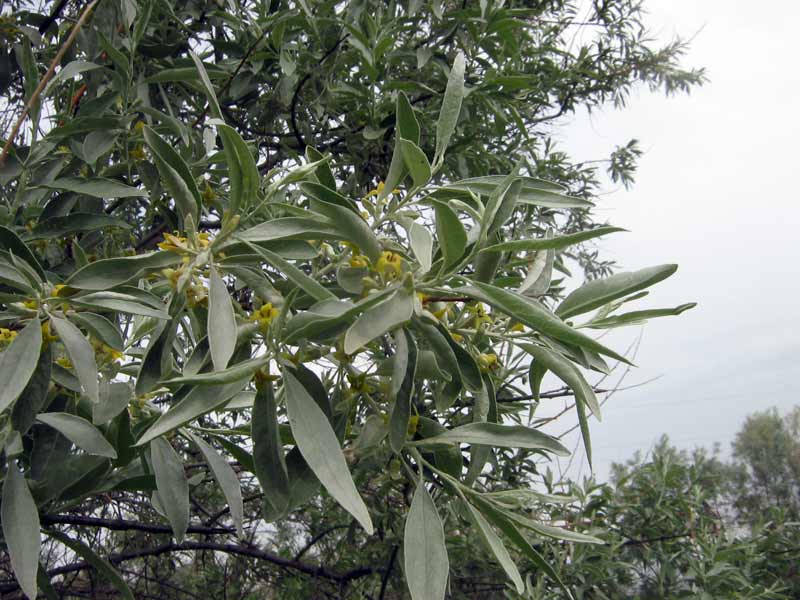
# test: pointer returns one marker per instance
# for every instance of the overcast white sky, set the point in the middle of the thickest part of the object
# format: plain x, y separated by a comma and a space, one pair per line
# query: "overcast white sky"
716, 193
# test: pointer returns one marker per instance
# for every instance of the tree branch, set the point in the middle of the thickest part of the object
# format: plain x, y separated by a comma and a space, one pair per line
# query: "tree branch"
124, 525
47, 76
248, 551
296, 95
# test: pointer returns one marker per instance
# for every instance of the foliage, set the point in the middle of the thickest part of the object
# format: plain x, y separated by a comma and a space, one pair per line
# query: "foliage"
767, 453
264, 243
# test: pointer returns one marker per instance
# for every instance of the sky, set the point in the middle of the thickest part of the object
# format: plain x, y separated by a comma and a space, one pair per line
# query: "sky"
716, 192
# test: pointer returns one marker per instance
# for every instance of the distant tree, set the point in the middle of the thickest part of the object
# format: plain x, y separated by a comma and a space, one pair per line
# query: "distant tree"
279, 281
767, 465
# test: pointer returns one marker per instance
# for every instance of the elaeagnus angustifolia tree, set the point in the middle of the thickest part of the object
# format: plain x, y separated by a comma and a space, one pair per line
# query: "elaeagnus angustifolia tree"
300, 249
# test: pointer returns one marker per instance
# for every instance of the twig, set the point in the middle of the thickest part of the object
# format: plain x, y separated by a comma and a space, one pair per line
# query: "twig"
47, 76
296, 95
317, 538
233, 75
124, 525
387, 573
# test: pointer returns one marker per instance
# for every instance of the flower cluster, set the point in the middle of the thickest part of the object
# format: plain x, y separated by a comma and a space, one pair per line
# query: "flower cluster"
105, 354
47, 334
6, 337
390, 265
264, 316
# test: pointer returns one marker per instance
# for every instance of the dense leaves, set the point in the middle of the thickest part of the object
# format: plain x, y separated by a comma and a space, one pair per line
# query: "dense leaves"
294, 252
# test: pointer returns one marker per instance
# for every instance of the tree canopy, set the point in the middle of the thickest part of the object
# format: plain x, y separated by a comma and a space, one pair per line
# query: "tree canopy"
266, 261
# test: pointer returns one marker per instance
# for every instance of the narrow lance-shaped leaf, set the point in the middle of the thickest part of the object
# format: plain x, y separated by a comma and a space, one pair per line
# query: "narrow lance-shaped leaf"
97, 187
18, 362
98, 563
199, 401
173, 488
111, 272
11, 241
21, 529
416, 162
496, 547
451, 106
540, 272
598, 292
119, 302
637, 317
80, 432
242, 169
450, 234
377, 320
81, 354
209, 88
421, 242
534, 315
221, 322
405, 369
555, 243
424, 551
407, 124
320, 448
310, 286
567, 372
508, 528
176, 174
353, 227
497, 435
227, 480
268, 457
509, 185
233, 373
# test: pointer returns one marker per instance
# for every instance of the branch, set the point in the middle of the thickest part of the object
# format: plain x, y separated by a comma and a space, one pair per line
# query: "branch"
233, 75
387, 573
124, 525
296, 95
248, 551
47, 76
317, 538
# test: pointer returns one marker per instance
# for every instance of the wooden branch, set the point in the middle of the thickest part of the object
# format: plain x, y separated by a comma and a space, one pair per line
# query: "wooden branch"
124, 525
247, 551
47, 76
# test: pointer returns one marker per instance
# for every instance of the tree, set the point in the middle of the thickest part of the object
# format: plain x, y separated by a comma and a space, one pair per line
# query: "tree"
206, 331
767, 453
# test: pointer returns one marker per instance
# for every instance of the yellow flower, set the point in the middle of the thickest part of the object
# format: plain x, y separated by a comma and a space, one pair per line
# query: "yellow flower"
390, 265
487, 362
196, 295
481, 316
6, 336
173, 243
139, 126
359, 261
203, 239
47, 335
64, 362
60, 290
32, 304
105, 354
413, 423
457, 337
264, 316
379, 189
517, 327
137, 153
208, 194
173, 276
